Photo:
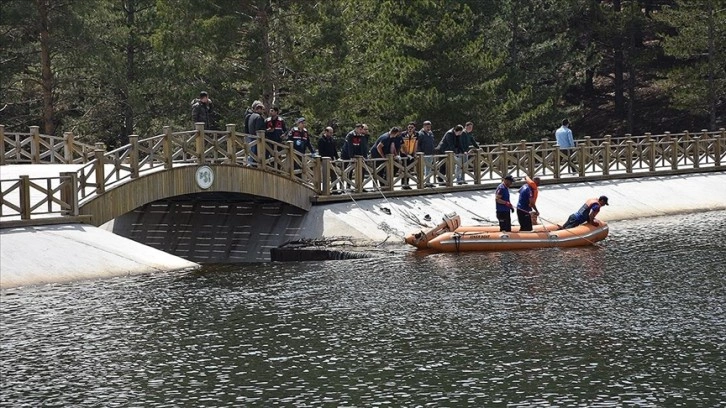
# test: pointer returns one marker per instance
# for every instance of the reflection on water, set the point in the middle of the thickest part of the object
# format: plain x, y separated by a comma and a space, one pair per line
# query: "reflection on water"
637, 320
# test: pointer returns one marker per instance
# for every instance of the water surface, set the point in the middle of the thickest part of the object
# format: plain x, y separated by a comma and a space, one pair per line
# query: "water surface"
638, 320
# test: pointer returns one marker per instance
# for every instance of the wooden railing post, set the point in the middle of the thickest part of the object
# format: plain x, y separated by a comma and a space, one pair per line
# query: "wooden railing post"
606, 157
69, 192
134, 155
503, 161
530, 161
199, 142
99, 169
166, 146
477, 165
581, 153
324, 174
674, 154
290, 159
719, 141
558, 162
68, 147
262, 149
389, 171
24, 197
2, 145
420, 170
35, 144
359, 174
629, 156
450, 168
231, 144
651, 155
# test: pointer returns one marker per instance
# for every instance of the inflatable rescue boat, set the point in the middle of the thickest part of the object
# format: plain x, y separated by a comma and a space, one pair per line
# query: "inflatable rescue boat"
450, 236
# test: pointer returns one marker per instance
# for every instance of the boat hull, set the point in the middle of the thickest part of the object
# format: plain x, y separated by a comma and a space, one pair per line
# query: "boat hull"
489, 238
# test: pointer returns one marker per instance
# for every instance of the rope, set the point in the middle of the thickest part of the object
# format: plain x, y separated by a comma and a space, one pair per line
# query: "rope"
383, 226
406, 215
477, 217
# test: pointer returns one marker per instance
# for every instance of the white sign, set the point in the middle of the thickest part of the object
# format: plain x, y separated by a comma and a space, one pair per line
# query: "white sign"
205, 177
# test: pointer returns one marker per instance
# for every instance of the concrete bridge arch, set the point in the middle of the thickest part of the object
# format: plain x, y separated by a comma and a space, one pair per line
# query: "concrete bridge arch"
182, 180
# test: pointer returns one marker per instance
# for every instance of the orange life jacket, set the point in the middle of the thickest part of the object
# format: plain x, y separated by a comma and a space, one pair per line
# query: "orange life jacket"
533, 186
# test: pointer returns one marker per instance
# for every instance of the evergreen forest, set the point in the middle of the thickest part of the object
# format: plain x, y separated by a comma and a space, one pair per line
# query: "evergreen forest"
105, 69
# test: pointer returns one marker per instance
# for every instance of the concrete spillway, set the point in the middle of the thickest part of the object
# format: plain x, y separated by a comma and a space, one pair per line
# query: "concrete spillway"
72, 252
35, 255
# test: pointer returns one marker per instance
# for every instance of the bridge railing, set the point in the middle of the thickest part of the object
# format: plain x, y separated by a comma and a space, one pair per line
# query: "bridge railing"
38, 197
34, 148
606, 156
100, 170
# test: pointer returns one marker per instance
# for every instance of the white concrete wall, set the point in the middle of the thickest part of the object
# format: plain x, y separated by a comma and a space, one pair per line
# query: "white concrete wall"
72, 252
36, 255
633, 198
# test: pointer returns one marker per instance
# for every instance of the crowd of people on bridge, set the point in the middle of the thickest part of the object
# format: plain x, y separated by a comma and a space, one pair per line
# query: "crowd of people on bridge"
403, 144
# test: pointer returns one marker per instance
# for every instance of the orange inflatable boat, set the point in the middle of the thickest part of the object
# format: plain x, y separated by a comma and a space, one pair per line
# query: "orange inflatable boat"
450, 236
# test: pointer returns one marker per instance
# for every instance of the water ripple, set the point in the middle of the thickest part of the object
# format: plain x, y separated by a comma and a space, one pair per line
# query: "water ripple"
638, 320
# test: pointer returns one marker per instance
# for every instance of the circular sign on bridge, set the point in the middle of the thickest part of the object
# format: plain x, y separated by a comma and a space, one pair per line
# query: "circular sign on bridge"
204, 177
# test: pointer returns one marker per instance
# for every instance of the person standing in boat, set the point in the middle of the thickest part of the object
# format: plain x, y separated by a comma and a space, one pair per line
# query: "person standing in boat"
503, 205
527, 203
586, 213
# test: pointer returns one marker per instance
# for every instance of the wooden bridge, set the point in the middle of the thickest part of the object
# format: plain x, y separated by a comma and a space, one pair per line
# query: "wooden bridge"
93, 185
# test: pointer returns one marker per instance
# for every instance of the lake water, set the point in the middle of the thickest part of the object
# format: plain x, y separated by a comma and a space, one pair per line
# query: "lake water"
638, 320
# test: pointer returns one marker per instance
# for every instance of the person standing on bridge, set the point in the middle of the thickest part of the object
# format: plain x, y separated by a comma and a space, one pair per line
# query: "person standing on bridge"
586, 213
409, 147
564, 138
254, 122
503, 205
202, 110
327, 148
301, 138
426, 146
275, 126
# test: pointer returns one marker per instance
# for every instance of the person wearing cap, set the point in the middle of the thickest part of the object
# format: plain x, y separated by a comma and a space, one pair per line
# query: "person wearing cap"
300, 137
586, 213
202, 110
527, 203
254, 122
426, 146
503, 205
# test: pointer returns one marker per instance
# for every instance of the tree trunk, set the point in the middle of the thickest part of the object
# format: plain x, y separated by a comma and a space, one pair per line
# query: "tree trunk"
711, 65
45, 67
268, 96
618, 62
130, 9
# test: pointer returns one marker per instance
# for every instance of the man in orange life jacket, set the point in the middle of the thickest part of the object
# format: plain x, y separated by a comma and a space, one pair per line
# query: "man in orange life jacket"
586, 213
527, 204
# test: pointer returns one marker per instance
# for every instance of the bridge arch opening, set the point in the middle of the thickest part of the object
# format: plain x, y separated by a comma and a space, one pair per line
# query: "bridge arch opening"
213, 227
